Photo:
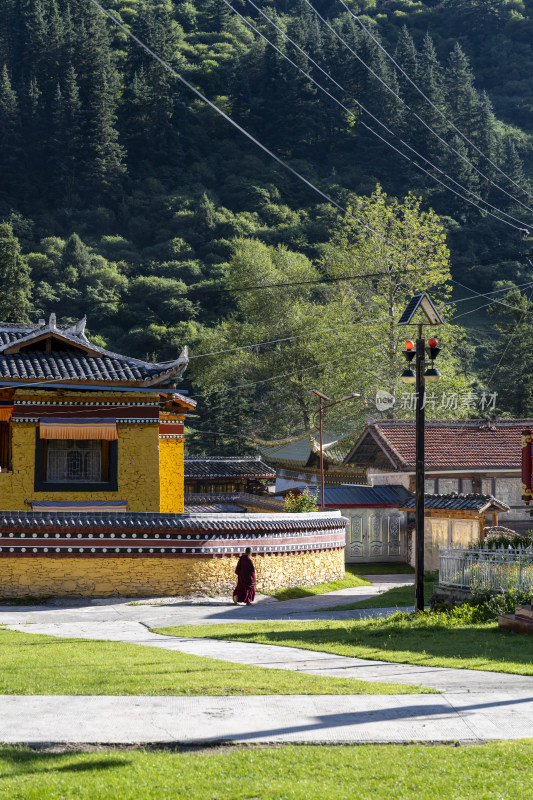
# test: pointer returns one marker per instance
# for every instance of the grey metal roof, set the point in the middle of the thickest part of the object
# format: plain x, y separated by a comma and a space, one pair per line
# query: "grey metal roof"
458, 502
227, 467
369, 496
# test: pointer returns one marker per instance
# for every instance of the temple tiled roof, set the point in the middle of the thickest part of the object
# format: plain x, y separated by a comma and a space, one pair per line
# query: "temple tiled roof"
54, 352
458, 502
227, 467
474, 444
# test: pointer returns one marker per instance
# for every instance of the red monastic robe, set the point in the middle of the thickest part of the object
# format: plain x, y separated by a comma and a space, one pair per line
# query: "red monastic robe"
245, 571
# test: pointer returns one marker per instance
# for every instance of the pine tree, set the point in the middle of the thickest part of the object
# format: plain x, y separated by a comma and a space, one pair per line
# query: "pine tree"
160, 93
407, 57
512, 163
486, 139
461, 96
14, 278
9, 133
430, 80
98, 81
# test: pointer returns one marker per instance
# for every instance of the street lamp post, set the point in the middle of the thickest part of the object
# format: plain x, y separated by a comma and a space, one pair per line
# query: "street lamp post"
419, 377
330, 403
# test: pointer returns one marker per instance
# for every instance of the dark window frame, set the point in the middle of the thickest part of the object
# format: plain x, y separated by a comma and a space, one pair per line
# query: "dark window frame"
42, 485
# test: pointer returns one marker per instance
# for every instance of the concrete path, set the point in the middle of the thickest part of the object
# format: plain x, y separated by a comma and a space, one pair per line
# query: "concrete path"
292, 658
309, 719
166, 611
475, 706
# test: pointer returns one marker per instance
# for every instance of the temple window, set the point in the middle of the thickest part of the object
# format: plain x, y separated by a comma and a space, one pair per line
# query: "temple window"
72, 460
78, 465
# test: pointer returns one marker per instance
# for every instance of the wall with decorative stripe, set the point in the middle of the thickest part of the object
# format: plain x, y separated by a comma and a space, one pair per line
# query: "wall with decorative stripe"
126, 554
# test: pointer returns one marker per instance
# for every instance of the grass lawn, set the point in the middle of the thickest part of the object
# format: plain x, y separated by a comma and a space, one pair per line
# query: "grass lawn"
293, 593
382, 569
36, 664
495, 771
393, 598
432, 641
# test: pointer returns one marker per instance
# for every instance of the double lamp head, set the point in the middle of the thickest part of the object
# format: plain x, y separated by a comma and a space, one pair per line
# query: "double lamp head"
432, 374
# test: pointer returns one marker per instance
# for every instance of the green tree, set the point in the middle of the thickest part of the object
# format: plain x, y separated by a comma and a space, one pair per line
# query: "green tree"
509, 373
9, 132
14, 278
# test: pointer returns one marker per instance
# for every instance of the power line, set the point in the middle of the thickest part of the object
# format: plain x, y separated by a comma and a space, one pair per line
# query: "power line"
510, 338
521, 224
401, 100
494, 300
284, 339
432, 104
236, 125
274, 377
286, 284
485, 294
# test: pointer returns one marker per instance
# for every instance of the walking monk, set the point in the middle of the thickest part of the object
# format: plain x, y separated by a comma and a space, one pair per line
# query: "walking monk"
245, 590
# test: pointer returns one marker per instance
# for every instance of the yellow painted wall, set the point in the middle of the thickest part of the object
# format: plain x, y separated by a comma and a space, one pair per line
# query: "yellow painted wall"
171, 472
138, 462
152, 577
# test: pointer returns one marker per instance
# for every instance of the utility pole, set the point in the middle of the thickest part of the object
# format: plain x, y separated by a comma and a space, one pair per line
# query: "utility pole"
419, 377
420, 478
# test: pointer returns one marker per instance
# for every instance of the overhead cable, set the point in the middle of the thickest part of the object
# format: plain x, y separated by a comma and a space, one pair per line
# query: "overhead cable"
418, 117
521, 225
236, 125
431, 103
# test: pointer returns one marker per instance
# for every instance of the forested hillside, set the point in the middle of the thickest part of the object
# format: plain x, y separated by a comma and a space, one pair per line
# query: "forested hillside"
129, 197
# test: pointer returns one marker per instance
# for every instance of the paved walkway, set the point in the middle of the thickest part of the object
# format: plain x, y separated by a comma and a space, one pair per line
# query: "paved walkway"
475, 705
42, 720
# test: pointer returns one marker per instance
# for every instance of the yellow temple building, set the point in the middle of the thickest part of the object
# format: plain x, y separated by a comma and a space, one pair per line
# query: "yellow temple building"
87, 429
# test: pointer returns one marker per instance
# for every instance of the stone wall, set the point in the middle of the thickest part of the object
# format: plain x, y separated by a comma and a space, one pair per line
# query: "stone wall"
120, 553
152, 577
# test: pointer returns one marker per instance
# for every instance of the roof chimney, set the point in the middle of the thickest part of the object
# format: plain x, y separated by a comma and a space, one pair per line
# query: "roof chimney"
42, 323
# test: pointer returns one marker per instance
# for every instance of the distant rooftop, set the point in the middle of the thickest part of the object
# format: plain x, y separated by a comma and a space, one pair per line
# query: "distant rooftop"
227, 467
453, 445
458, 502
350, 496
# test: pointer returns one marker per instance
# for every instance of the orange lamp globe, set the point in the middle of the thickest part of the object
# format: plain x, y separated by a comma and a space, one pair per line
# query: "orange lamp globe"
409, 345
433, 342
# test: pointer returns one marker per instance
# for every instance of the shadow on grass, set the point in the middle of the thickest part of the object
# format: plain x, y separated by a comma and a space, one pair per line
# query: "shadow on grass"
24, 761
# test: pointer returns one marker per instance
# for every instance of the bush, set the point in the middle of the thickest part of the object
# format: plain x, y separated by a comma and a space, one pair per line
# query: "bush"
509, 540
298, 503
484, 605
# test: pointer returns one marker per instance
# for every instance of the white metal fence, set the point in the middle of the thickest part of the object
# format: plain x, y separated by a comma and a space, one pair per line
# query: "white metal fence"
500, 569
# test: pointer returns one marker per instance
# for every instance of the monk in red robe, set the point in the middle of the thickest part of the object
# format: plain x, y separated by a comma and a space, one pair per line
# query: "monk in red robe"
245, 590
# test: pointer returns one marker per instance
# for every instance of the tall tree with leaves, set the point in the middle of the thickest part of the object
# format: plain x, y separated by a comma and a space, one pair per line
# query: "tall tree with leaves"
14, 278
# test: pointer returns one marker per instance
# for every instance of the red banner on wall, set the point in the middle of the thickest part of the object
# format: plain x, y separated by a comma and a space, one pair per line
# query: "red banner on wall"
526, 465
